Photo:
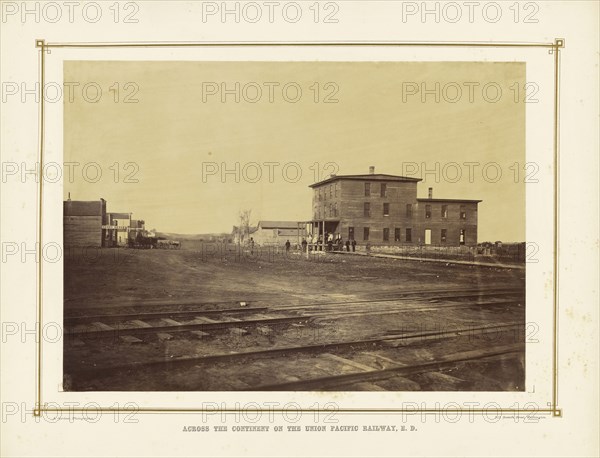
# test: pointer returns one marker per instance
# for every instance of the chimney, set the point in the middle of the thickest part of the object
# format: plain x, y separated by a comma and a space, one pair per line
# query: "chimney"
372, 169
431, 193
69, 196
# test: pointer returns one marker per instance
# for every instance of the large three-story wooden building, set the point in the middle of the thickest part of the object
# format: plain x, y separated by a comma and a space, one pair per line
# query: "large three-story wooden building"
384, 210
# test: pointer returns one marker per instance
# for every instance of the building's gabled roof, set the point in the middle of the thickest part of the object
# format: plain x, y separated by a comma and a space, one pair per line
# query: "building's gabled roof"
426, 199
366, 177
278, 224
82, 208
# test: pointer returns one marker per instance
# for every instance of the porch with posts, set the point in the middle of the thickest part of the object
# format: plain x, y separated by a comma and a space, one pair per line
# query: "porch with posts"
320, 232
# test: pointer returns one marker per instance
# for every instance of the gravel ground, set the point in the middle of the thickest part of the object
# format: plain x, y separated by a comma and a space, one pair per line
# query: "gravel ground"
125, 281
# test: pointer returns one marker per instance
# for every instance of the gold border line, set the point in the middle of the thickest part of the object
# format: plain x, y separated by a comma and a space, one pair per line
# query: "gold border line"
42, 133
554, 48
559, 43
354, 43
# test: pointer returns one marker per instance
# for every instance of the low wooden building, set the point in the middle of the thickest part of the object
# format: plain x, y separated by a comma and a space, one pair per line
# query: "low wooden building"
82, 222
279, 232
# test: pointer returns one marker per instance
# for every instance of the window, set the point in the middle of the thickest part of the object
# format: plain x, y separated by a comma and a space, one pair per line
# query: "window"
443, 236
367, 209
335, 189
386, 234
427, 211
350, 233
330, 191
462, 236
408, 234
409, 210
463, 212
335, 212
444, 211
386, 209
397, 234
366, 233
324, 194
383, 190
367, 189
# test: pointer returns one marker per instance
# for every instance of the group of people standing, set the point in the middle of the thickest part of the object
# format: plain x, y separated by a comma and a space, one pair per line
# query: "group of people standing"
332, 243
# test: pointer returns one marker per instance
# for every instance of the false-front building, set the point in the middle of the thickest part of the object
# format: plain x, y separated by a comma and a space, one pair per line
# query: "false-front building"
384, 210
86, 223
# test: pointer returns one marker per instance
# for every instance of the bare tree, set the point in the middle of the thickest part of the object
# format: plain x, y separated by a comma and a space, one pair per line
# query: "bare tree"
244, 227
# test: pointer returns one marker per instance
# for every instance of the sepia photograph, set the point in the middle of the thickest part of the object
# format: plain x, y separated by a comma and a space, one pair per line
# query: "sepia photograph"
295, 226
338, 228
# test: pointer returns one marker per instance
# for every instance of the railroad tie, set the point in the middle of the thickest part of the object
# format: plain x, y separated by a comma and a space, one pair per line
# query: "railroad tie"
229, 319
260, 316
384, 361
76, 342
131, 339
203, 320
101, 326
348, 362
200, 334
366, 386
170, 322
140, 324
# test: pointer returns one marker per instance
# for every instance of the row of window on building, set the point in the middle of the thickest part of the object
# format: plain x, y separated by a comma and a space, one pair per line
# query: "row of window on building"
332, 191
322, 192
333, 211
408, 235
330, 210
409, 210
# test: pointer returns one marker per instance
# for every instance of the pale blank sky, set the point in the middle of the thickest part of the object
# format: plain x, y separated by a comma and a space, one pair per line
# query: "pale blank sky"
172, 131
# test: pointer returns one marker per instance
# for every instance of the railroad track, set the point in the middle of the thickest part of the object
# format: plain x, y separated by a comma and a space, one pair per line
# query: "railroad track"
347, 363
434, 295
130, 325
334, 362
391, 296
367, 374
